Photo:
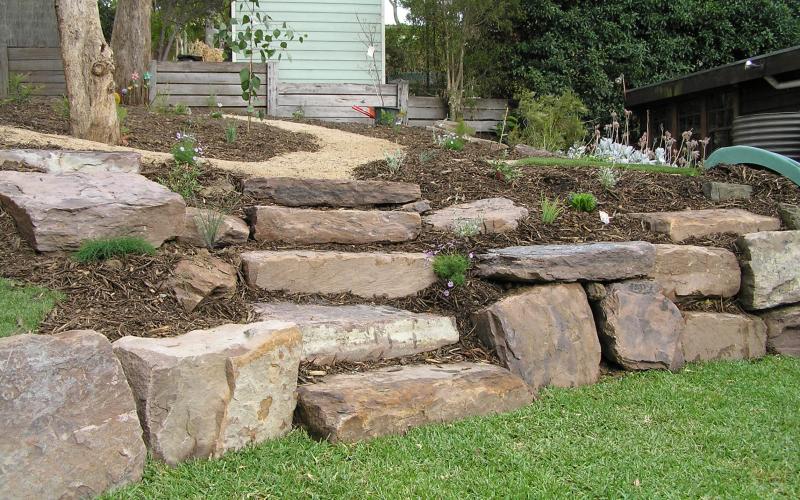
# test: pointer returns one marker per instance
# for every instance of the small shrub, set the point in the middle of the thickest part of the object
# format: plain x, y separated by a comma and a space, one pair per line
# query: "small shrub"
183, 179
454, 143
464, 130
584, 202
182, 109
230, 133
186, 150
427, 155
467, 228
106, 248
549, 122
61, 107
208, 224
160, 104
608, 178
122, 115
217, 115
551, 210
20, 92
299, 113
394, 161
211, 101
451, 267
507, 171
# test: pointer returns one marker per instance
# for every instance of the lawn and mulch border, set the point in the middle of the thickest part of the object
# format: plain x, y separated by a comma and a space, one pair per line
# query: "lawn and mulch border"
723, 429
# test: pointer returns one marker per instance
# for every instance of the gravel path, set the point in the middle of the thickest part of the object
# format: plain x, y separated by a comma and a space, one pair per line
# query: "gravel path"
340, 152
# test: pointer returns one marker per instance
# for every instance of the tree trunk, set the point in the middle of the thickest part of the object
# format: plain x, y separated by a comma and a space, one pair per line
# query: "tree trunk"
88, 71
130, 39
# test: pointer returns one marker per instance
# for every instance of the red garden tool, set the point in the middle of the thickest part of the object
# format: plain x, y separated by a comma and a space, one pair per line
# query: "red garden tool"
368, 112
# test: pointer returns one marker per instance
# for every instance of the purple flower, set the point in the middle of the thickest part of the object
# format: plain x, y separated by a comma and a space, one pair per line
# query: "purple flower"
124, 91
429, 254
450, 284
471, 255
446, 293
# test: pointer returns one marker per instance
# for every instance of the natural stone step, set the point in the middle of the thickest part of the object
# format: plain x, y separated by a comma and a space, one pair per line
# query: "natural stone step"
579, 262
699, 223
545, 334
308, 226
230, 230
491, 215
350, 408
361, 332
725, 191
363, 274
55, 161
790, 215
770, 269
207, 392
783, 330
685, 270
291, 192
68, 418
709, 336
58, 211
202, 277
639, 328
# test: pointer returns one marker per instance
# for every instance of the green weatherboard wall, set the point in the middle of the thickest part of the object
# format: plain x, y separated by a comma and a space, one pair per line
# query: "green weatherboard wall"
335, 50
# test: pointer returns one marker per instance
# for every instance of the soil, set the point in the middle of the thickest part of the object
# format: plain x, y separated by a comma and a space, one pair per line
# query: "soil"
125, 296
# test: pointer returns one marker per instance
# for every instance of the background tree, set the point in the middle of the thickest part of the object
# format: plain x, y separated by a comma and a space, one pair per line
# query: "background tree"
88, 71
131, 39
173, 17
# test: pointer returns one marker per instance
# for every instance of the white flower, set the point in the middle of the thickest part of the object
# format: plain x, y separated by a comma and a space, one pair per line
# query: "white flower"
181, 148
604, 217
219, 104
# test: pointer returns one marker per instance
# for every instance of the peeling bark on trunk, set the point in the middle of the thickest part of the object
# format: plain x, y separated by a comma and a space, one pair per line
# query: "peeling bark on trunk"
88, 70
130, 39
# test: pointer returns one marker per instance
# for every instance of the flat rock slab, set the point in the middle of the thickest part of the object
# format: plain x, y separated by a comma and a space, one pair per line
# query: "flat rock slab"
56, 212
420, 206
202, 277
68, 416
579, 262
207, 392
292, 192
56, 161
770, 269
699, 223
361, 332
725, 191
545, 334
364, 274
224, 230
790, 215
639, 328
350, 408
686, 271
491, 215
309, 226
783, 330
709, 336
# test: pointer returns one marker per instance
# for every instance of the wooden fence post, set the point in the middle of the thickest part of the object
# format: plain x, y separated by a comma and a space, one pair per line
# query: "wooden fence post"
152, 91
3, 70
272, 88
402, 99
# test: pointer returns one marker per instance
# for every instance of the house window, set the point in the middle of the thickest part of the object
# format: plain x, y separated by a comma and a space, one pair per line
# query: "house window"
689, 113
720, 118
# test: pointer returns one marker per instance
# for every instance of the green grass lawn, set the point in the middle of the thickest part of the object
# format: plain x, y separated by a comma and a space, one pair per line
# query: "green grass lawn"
722, 430
22, 308
593, 162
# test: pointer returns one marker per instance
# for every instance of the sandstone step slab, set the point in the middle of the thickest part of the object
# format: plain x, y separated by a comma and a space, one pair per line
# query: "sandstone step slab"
686, 271
545, 334
783, 330
770, 269
710, 336
726, 191
308, 226
790, 215
364, 274
207, 392
230, 230
202, 277
579, 262
55, 212
699, 223
361, 332
638, 327
292, 192
56, 161
68, 417
353, 407
491, 215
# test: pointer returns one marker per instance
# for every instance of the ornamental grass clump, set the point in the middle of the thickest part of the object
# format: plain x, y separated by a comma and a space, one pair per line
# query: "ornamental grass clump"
583, 202
105, 248
551, 210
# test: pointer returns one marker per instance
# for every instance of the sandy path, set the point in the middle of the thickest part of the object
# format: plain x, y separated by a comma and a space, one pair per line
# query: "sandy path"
339, 151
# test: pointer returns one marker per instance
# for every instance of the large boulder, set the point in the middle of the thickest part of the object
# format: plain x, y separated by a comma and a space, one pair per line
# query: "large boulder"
579, 262
685, 270
687, 224
56, 212
223, 230
207, 392
308, 226
783, 330
492, 215
545, 334
68, 418
709, 336
770, 269
353, 407
202, 277
364, 274
361, 332
639, 328
56, 161
292, 192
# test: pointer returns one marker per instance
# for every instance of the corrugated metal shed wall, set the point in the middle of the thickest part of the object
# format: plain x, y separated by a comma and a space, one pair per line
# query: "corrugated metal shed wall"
28, 23
334, 51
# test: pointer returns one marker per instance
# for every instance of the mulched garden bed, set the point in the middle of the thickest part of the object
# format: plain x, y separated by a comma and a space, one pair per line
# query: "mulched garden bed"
156, 132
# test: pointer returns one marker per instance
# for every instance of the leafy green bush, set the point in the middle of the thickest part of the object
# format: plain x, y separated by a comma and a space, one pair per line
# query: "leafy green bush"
452, 267
454, 143
549, 122
186, 151
551, 210
506, 171
106, 248
584, 202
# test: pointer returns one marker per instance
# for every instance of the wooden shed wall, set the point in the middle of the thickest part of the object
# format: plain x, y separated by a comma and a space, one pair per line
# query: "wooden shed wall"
28, 23
482, 115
